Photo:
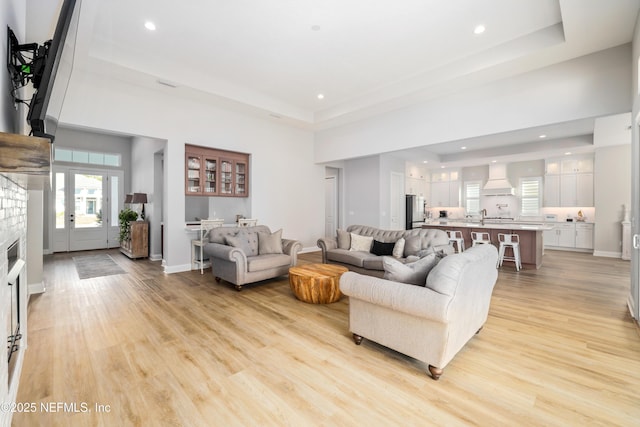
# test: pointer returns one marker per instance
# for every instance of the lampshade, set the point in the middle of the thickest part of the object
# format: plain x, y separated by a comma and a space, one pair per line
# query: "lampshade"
128, 198
139, 198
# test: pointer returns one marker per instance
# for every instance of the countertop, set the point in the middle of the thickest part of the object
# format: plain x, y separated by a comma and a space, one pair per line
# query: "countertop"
503, 225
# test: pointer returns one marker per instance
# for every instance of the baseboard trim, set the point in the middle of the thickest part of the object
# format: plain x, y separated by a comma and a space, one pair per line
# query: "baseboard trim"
155, 257
169, 269
36, 288
309, 249
608, 254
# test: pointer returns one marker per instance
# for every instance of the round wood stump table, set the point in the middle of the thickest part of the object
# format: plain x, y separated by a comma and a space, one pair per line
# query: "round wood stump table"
316, 283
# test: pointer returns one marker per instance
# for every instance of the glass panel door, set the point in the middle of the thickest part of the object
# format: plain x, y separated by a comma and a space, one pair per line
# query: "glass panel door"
241, 179
226, 176
194, 183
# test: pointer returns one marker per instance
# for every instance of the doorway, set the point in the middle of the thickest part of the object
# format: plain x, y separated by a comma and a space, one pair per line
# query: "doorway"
86, 205
331, 200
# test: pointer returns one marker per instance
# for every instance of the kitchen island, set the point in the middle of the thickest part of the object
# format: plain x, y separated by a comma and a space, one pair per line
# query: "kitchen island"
530, 236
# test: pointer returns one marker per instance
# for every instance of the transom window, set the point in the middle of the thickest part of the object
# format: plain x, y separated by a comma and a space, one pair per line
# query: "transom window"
86, 157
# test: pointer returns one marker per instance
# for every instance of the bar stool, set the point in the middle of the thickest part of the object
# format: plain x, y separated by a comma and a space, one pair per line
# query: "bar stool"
509, 241
455, 236
480, 238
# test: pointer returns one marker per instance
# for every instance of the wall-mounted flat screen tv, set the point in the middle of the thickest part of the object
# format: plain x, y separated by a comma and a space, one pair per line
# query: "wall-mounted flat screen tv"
48, 68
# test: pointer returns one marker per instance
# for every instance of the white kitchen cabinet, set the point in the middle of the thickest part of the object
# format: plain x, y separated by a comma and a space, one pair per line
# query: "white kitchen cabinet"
584, 236
445, 188
568, 182
415, 186
551, 190
563, 236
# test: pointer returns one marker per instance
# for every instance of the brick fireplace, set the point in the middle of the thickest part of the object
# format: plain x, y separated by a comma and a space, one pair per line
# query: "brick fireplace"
13, 296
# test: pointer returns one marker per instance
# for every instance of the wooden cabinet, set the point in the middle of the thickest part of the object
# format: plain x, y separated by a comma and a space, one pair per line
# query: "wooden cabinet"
211, 172
137, 245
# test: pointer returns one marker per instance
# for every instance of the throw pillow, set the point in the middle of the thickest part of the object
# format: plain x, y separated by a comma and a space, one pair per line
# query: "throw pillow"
398, 248
381, 248
270, 243
360, 243
414, 273
344, 239
411, 245
248, 242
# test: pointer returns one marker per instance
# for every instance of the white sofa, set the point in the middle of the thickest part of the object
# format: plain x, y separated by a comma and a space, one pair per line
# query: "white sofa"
430, 323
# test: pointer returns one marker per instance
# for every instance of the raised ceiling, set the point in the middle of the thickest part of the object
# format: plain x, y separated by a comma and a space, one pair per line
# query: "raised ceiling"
364, 56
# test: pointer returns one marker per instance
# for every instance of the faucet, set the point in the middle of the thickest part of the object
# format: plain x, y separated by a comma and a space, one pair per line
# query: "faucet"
483, 213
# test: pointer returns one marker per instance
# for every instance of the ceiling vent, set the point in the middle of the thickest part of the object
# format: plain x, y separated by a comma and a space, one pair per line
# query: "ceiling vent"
498, 184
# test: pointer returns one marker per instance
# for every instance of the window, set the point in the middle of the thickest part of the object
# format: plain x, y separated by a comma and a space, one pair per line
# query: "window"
530, 196
472, 197
86, 157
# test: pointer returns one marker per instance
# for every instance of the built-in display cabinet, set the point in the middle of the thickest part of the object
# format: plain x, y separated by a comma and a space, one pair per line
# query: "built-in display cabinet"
212, 172
568, 182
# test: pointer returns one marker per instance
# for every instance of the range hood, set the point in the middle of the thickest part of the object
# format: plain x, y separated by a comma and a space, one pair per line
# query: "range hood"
498, 184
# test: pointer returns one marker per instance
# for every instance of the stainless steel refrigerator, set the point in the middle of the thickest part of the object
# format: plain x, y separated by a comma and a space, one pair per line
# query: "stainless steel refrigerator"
414, 211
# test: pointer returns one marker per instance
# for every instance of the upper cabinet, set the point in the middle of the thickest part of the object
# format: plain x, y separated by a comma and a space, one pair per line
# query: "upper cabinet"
211, 172
568, 182
445, 188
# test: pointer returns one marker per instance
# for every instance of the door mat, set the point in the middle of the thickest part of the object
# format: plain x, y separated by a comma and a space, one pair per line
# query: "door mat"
89, 266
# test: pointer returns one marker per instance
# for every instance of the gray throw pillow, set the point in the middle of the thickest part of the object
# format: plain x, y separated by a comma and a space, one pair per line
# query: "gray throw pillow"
411, 245
344, 239
398, 248
414, 273
248, 242
270, 243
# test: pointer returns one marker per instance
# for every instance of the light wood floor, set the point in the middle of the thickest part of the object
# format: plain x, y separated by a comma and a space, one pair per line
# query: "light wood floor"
559, 349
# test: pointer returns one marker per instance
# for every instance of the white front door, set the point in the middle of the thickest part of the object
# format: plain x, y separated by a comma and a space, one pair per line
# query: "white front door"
87, 203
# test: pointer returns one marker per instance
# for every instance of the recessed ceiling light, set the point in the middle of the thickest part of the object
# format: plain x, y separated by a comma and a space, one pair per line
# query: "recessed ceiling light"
441, 166
568, 153
494, 161
479, 30
425, 161
463, 148
150, 26
315, 27
543, 136
320, 96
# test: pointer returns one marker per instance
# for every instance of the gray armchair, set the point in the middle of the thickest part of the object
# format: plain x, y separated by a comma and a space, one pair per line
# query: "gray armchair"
242, 255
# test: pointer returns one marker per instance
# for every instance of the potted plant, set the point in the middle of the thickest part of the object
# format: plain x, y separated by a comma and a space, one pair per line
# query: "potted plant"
125, 216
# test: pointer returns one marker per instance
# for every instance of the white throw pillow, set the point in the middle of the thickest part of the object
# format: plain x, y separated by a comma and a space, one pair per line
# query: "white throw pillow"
360, 243
398, 249
414, 273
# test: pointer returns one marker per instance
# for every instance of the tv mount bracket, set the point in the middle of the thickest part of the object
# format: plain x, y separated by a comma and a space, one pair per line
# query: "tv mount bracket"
24, 69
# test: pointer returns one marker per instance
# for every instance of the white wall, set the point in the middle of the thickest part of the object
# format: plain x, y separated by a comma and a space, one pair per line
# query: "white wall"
143, 180
362, 191
612, 190
286, 186
590, 86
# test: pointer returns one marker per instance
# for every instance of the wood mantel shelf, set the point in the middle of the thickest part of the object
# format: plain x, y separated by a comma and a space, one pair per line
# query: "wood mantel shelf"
21, 154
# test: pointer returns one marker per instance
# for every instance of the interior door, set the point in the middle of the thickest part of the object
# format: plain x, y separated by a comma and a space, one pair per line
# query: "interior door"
397, 198
331, 205
87, 203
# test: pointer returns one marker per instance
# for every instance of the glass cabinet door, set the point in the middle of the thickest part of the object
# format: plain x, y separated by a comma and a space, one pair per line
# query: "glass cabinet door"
210, 178
226, 176
194, 183
241, 179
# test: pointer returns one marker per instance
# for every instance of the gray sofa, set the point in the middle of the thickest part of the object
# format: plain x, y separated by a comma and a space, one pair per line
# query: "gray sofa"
417, 242
430, 323
242, 255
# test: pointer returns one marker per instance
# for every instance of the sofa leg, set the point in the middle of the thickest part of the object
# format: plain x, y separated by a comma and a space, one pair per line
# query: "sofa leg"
238, 288
218, 279
357, 339
435, 372
478, 331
